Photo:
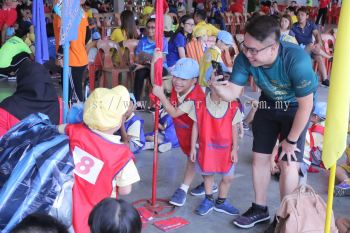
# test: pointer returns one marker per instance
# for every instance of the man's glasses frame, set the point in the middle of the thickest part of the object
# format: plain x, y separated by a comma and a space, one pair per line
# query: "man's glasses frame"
253, 51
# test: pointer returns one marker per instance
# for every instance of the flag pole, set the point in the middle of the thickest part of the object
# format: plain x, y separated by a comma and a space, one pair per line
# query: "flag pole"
65, 79
158, 208
158, 81
330, 199
337, 118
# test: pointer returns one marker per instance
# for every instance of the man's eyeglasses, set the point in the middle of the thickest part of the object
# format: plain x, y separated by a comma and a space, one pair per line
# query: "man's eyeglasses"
253, 51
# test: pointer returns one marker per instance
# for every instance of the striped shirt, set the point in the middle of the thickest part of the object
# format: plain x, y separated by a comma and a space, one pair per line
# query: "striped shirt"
195, 50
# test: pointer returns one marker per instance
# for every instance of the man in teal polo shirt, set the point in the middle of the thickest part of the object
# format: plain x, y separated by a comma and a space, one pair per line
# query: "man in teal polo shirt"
284, 73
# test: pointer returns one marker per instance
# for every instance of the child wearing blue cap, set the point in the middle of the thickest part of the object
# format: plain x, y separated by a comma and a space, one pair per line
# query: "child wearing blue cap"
313, 145
185, 91
132, 129
314, 139
167, 138
216, 154
223, 42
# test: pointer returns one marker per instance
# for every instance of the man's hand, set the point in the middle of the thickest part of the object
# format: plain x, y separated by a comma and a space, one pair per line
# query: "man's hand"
343, 225
289, 151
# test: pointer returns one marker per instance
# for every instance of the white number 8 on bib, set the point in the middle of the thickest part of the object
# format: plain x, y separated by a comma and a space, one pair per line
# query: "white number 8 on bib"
87, 166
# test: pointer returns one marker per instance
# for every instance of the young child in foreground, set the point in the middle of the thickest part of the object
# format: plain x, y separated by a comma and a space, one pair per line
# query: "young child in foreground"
215, 130
99, 156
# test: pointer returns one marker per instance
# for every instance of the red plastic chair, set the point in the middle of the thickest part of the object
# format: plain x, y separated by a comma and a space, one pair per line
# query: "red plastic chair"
334, 15
313, 11
328, 45
130, 46
107, 47
239, 23
229, 21
282, 8
328, 42
93, 67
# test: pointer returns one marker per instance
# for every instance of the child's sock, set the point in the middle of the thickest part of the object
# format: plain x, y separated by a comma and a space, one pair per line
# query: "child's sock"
220, 200
209, 196
184, 187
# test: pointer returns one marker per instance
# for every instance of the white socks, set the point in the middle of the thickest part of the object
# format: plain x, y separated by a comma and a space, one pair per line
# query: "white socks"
184, 187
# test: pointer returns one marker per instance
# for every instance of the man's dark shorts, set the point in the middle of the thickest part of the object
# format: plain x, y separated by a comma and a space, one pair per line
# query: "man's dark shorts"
272, 122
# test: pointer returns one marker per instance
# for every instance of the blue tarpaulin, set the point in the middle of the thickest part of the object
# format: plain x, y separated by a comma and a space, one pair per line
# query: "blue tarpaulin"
34, 166
41, 46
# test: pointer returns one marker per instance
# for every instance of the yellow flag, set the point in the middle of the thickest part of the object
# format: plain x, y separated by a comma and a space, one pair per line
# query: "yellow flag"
337, 118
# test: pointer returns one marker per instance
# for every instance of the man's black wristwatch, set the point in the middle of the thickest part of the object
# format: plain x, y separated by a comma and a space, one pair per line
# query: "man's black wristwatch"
291, 142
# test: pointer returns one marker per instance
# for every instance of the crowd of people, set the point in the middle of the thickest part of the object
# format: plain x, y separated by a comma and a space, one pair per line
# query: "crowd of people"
201, 111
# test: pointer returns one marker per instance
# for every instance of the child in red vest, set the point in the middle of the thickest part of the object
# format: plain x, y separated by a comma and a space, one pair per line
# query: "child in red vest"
215, 130
185, 91
98, 155
313, 145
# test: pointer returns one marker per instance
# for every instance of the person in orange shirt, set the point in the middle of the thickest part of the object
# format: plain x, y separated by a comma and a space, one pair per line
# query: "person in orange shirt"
78, 58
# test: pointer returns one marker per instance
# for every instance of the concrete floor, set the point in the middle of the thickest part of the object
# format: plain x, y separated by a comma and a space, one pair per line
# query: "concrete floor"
170, 175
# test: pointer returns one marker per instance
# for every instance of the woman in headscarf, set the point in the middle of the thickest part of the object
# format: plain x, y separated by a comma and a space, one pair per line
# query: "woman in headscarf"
34, 93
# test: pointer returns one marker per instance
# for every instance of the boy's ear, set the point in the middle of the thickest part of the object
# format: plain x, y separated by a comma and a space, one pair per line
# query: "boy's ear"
194, 81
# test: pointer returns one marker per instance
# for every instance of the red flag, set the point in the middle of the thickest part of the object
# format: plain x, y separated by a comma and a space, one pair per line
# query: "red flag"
159, 41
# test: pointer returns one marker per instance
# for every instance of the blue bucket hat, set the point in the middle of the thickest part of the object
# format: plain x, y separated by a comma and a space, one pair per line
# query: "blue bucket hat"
186, 68
320, 110
225, 37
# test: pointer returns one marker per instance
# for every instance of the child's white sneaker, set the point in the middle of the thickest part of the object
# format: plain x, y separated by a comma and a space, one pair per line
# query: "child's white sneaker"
164, 147
149, 146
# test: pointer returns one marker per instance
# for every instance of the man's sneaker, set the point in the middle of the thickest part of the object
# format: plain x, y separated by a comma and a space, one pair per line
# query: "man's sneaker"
325, 82
255, 214
164, 147
226, 208
178, 198
342, 189
199, 190
205, 207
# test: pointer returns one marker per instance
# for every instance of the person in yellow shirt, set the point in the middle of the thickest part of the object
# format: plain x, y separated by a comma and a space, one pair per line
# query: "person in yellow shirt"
223, 42
292, 12
197, 46
199, 20
148, 10
127, 30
